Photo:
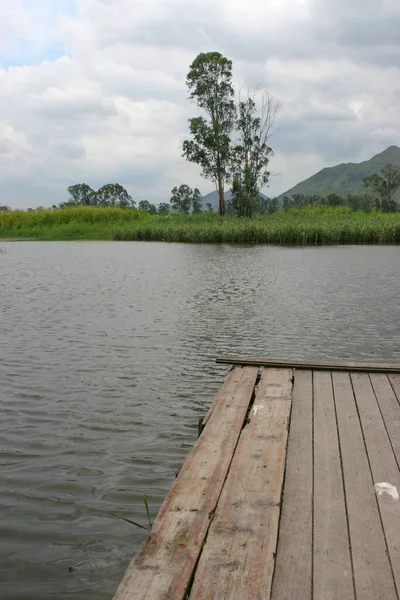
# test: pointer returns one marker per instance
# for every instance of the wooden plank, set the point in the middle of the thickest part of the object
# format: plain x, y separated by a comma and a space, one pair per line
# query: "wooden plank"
237, 561
372, 572
308, 364
293, 567
332, 573
164, 564
220, 394
395, 382
388, 396
382, 462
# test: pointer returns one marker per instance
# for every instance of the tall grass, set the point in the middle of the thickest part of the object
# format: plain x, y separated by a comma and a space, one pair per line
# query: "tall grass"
308, 227
311, 226
85, 222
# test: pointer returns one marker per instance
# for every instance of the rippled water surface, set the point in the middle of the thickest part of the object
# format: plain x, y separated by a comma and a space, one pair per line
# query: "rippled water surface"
106, 363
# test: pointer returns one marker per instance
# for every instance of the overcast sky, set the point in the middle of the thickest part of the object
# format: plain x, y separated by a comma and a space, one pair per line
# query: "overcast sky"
94, 90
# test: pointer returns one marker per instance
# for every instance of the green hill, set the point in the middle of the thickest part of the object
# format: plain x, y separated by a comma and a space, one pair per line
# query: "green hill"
346, 178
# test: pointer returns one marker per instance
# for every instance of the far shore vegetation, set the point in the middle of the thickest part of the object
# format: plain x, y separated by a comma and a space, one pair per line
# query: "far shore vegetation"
230, 141
295, 226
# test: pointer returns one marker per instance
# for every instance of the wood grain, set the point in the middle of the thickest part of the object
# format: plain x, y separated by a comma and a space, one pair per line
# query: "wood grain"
164, 564
332, 572
292, 576
308, 364
237, 561
372, 571
383, 463
387, 390
220, 394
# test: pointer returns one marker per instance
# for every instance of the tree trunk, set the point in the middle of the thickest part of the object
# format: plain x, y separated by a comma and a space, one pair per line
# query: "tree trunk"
221, 197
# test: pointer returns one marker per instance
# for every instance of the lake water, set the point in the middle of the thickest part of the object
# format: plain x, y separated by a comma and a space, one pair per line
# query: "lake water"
107, 361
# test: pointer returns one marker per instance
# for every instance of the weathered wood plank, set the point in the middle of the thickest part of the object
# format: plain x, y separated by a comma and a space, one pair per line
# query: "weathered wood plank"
308, 364
387, 391
293, 567
220, 394
237, 561
332, 573
395, 381
383, 464
372, 572
164, 564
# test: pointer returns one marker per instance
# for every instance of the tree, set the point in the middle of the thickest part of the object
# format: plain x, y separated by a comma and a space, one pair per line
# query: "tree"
334, 200
81, 194
196, 202
384, 187
287, 202
144, 205
252, 153
238, 201
181, 199
273, 206
163, 208
113, 194
210, 84
298, 200
4, 208
357, 202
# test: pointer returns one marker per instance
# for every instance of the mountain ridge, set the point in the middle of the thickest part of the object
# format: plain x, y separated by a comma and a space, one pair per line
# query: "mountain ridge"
346, 178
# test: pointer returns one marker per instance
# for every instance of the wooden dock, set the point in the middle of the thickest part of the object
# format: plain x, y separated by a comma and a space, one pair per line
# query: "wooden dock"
290, 493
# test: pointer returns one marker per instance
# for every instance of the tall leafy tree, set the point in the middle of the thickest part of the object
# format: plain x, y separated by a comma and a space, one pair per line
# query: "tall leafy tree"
196, 201
163, 208
181, 199
210, 84
252, 152
144, 205
114, 194
384, 187
81, 194
334, 200
238, 202
273, 206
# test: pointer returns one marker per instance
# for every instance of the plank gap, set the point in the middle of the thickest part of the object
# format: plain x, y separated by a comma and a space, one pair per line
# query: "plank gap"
237, 559
382, 463
344, 488
376, 394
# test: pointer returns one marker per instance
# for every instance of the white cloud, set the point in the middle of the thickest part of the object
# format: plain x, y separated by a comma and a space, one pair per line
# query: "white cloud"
94, 90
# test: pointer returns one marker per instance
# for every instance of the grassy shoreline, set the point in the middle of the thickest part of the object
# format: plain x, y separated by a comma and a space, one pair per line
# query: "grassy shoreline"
75, 223
295, 228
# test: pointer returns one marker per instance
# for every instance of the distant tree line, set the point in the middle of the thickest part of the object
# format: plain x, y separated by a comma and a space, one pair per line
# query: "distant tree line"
183, 199
111, 194
380, 190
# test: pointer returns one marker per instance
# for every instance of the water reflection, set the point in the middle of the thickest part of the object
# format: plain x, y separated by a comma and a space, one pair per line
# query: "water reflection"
107, 360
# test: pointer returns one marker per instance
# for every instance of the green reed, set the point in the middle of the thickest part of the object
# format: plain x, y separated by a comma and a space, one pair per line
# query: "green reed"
315, 226
296, 228
147, 527
87, 222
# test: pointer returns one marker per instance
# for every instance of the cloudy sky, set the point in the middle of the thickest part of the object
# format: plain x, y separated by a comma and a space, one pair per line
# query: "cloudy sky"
94, 90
